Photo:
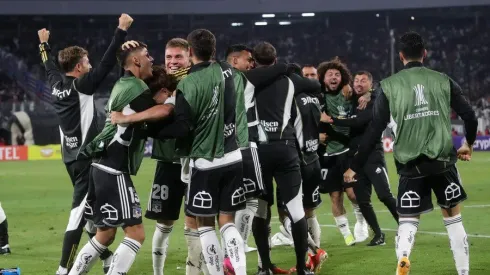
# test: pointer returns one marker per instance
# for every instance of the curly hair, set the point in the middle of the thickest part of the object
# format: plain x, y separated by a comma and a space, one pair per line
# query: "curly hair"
161, 79
334, 64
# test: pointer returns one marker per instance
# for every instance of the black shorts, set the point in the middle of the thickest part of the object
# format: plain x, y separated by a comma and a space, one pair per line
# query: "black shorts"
216, 190
280, 161
374, 173
414, 194
252, 173
115, 202
333, 169
167, 192
311, 175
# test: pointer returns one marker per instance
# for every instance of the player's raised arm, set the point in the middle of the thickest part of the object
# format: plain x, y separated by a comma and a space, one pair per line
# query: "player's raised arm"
90, 81
52, 70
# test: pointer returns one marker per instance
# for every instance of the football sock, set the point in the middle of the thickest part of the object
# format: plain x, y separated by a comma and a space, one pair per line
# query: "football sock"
406, 236
357, 212
300, 237
244, 219
124, 256
211, 249
159, 247
106, 254
314, 229
193, 263
86, 257
343, 225
236, 249
459, 243
4, 233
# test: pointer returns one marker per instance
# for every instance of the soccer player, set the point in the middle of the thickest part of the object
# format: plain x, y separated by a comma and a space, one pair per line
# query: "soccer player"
118, 153
374, 172
206, 132
73, 88
279, 158
4, 233
418, 103
309, 71
334, 77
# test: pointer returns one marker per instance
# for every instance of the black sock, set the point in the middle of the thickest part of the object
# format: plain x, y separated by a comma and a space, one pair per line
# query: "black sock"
390, 203
70, 247
300, 238
368, 213
259, 227
4, 233
106, 254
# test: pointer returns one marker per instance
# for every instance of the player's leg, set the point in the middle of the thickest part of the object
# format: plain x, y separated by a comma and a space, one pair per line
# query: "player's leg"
378, 176
164, 206
79, 172
132, 224
232, 198
363, 191
194, 261
450, 193
4, 234
414, 199
203, 203
288, 179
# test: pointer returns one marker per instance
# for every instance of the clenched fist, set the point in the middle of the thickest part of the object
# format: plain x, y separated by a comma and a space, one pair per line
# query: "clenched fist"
43, 35
125, 22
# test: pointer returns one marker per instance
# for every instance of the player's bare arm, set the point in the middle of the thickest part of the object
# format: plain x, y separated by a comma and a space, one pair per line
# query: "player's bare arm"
155, 113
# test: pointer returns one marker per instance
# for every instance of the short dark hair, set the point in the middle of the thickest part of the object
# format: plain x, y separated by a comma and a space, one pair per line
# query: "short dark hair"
203, 44
368, 74
308, 66
412, 45
161, 79
69, 57
237, 48
178, 43
264, 53
334, 64
122, 55
295, 68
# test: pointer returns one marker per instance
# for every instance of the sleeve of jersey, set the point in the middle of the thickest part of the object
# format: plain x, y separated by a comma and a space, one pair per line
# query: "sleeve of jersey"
361, 120
182, 124
463, 108
265, 75
52, 70
381, 118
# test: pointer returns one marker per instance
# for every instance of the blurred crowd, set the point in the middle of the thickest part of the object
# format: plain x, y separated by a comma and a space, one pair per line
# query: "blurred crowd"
458, 42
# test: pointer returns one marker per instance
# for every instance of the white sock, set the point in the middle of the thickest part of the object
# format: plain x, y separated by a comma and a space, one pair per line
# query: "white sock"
159, 247
314, 229
406, 236
194, 262
259, 260
223, 246
3, 217
61, 270
87, 257
244, 219
287, 227
236, 248
211, 249
124, 256
343, 225
459, 243
357, 212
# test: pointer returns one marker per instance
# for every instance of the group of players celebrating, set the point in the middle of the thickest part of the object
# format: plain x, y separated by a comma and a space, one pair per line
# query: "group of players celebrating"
222, 131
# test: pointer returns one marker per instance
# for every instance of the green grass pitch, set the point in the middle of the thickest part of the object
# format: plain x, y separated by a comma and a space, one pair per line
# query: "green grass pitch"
37, 196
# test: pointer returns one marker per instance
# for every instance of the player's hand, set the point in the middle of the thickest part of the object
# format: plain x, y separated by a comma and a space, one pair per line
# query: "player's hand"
326, 118
117, 118
363, 101
465, 151
43, 35
323, 138
130, 44
349, 176
347, 91
125, 22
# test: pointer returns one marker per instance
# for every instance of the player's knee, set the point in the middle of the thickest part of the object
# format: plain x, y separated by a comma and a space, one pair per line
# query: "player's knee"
166, 222
310, 212
205, 221
190, 222
106, 236
136, 232
351, 195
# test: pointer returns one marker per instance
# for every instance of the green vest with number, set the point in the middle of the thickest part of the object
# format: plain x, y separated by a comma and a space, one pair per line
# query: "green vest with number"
419, 100
337, 106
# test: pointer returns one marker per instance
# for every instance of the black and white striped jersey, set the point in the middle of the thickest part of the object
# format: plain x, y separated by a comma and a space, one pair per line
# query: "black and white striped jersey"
73, 99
